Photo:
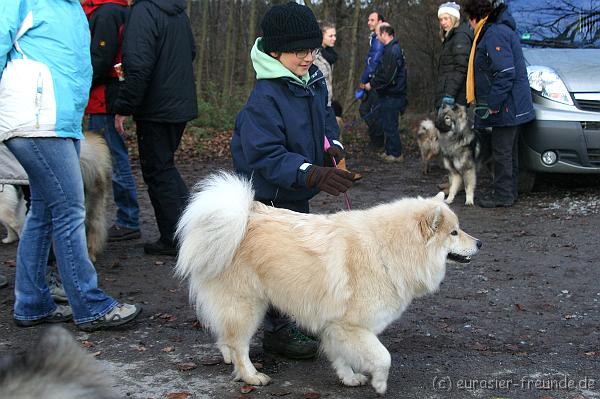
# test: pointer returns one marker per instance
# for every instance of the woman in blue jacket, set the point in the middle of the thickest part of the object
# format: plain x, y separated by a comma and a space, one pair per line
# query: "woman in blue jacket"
45, 81
497, 83
279, 137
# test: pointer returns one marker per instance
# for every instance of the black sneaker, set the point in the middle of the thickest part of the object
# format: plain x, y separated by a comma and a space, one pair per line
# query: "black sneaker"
290, 342
117, 233
160, 248
491, 202
121, 314
61, 314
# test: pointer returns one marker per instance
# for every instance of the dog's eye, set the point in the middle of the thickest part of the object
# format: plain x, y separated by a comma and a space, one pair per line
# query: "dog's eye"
454, 233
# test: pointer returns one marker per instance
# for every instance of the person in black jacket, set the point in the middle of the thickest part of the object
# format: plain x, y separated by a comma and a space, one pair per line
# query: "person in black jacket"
107, 20
456, 38
389, 82
159, 91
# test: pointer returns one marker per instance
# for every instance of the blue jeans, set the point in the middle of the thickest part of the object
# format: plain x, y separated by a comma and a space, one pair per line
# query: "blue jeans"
389, 113
123, 182
56, 216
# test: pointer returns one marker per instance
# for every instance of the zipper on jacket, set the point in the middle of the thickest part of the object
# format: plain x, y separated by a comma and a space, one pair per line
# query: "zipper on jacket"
38, 99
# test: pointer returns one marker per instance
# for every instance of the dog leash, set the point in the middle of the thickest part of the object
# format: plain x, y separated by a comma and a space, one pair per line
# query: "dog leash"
326, 146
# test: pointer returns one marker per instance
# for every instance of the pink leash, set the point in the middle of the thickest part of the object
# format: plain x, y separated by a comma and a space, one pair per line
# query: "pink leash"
326, 146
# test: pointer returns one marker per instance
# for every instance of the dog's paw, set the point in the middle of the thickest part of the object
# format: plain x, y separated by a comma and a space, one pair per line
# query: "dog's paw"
226, 352
380, 386
257, 379
469, 203
449, 200
355, 380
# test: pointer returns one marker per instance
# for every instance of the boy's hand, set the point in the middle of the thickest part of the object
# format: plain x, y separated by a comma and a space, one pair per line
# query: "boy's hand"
336, 152
331, 180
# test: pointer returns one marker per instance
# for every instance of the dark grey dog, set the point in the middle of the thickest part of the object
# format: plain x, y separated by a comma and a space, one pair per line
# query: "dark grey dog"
55, 368
463, 150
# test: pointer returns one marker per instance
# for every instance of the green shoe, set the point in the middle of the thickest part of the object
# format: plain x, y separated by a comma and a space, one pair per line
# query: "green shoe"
291, 343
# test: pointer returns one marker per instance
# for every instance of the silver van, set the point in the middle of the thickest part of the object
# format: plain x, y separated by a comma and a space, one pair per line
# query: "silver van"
561, 45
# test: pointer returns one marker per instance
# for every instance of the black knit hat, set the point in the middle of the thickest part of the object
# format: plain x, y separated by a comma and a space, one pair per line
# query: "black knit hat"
290, 27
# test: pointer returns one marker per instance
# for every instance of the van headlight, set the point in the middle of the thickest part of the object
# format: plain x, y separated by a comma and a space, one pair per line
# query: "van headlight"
548, 84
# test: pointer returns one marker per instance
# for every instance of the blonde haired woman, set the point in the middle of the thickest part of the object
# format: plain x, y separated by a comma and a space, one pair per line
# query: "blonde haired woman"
456, 38
327, 57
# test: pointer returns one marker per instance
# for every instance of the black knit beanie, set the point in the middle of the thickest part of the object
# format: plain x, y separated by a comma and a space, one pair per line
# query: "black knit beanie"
290, 27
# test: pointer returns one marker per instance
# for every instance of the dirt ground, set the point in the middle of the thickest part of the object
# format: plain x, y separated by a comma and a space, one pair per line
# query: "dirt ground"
522, 320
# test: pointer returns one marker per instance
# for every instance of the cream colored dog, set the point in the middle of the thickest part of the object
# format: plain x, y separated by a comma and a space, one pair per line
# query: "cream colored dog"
344, 277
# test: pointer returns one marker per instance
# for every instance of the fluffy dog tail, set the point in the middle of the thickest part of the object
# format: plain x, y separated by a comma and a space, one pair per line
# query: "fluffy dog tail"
213, 226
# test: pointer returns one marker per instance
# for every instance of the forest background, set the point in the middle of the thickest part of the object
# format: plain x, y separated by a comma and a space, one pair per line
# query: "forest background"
225, 31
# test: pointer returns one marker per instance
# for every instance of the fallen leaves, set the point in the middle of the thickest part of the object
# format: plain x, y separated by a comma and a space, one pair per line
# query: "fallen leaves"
87, 344
247, 389
178, 395
167, 349
186, 366
211, 360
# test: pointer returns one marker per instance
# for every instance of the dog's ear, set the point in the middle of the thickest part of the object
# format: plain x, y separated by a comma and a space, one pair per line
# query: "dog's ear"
440, 196
430, 222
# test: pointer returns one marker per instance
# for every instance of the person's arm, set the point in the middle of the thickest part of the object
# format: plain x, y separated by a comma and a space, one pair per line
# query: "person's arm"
502, 69
104, 42
372, 61
385, 72
9, 21
139, 58
263, 144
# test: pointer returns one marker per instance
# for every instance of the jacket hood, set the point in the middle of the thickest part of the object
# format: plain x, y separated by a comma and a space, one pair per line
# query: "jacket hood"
503, 16
267, 67
89, 6
171, 7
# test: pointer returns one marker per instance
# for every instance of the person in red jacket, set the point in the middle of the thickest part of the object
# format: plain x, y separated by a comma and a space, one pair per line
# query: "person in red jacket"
107, 19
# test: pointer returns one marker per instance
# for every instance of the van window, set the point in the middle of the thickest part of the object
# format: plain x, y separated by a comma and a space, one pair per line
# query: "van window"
557, 23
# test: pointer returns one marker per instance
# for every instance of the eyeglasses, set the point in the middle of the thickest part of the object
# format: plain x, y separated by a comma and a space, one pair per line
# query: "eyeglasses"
301, 54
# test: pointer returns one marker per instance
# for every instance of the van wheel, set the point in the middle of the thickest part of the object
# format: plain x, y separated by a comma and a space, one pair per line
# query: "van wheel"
526, 181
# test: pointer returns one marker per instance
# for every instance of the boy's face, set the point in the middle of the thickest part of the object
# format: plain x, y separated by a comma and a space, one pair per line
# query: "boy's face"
294, 61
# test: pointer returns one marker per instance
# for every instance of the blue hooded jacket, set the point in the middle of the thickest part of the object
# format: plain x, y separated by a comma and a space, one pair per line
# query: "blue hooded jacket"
372, 60
501, 74
281, 127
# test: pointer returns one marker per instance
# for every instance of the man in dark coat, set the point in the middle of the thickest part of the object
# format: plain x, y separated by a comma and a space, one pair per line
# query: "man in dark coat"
368, 107
107, 19
389, 82
497, 83
159, 91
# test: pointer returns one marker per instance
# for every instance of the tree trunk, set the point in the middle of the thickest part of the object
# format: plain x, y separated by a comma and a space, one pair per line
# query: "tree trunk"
228, 55
250, 75
351, 83
201, 46
189, 8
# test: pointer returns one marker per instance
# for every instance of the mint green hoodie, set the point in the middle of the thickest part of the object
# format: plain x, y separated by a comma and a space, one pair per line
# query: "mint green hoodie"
267, 67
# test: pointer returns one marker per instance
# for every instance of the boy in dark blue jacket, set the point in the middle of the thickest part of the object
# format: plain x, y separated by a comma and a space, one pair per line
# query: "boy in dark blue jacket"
279, 137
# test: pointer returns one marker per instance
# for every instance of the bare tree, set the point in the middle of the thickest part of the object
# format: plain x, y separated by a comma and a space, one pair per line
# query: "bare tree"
251, 36
351, 82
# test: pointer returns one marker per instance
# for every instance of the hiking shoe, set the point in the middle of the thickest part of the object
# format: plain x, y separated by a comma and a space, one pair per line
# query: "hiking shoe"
57, 291
61, 314
291, 343
3, 281
160, 248
117, 233
491, 202
390, 158
121, 314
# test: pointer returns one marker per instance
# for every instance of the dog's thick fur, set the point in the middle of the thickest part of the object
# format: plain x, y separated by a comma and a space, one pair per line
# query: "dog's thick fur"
460, 149
96, 170
344, 277
429, 146
56, 368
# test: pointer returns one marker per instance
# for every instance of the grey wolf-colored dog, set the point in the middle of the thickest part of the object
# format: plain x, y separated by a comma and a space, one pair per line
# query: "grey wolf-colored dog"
460, 149
344, 277
55, 368
96, 170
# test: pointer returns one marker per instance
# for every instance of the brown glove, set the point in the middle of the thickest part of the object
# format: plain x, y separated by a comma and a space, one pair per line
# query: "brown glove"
331, 180
336, 152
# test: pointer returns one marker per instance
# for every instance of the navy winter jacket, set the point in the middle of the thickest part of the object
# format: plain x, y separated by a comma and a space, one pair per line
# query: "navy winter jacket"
390, 76
372, 60
501, 75
282, 126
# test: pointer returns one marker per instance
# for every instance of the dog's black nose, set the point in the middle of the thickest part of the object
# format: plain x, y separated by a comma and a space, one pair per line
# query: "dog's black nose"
479, 244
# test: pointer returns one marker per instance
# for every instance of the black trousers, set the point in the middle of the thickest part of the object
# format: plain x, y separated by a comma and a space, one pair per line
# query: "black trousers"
274, 320
157, 143
369, 112
506, 163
